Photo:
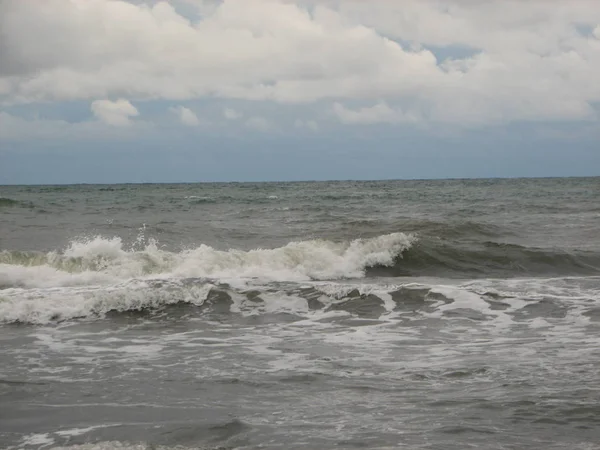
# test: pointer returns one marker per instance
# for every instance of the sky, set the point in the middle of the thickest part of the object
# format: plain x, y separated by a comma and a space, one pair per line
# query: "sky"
109, 91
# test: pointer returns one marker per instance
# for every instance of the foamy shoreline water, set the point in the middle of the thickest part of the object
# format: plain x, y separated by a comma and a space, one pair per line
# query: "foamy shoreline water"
446, 314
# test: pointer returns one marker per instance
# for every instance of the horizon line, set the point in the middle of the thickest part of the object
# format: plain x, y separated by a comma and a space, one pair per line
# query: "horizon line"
332, 180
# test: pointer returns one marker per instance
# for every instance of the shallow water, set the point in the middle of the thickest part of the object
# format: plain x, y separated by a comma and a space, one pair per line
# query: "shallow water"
422, 314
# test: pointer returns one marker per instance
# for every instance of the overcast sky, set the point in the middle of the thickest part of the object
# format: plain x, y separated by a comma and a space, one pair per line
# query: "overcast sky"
206, 90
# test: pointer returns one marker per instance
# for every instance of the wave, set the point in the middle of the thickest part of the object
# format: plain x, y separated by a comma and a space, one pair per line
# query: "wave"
104, 261
47, 305
41, 306
95, 277
501, 302
439, 257
181, 297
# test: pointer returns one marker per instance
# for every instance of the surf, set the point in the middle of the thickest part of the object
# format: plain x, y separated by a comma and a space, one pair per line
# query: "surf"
100, 260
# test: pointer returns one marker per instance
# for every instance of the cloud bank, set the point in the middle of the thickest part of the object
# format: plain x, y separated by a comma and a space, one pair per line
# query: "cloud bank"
456, 62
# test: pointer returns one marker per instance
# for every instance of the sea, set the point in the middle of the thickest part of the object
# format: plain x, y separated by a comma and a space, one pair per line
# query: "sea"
449, 314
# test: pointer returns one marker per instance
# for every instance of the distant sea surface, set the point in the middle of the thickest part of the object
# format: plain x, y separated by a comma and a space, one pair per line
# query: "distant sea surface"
320, 315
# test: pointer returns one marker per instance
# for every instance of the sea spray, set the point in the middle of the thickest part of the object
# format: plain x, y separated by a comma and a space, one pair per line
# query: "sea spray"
100, 258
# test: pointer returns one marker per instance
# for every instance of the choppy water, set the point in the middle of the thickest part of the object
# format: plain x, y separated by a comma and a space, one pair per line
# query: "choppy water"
395, 314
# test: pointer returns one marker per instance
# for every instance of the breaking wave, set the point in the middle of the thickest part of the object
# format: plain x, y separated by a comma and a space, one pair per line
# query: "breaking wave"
105, 261
500, 302
96, 276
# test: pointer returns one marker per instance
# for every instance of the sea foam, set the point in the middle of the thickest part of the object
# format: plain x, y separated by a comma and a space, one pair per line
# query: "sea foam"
102, 261
94, 276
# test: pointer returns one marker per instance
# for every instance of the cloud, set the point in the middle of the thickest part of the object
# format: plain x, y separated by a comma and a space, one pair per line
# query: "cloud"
379, 113
117, 113
528, 61
16, 128
232, 114
306, 125
186, 116
259, 124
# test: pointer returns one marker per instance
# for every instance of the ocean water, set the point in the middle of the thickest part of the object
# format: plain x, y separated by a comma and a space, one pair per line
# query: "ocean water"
395, 314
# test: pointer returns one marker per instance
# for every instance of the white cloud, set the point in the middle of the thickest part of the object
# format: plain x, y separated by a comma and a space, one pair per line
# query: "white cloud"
15, 128
528, 60
232, 114
306, 125
259, 124
379, 113
117, 113
186, 116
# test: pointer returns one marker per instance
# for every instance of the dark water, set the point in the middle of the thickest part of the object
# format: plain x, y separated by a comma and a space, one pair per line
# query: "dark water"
396, 314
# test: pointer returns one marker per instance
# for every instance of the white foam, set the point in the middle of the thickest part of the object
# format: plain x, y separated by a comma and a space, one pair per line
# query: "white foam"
45, 276
90, 278
102, 261
40, 306
38, 439
97, 275
79, 431
297, 261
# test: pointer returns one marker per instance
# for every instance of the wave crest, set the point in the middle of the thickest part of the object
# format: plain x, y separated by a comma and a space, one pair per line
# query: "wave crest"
100, 261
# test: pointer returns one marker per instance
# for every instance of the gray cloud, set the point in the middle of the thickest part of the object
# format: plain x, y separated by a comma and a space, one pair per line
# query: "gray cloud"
529, 60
